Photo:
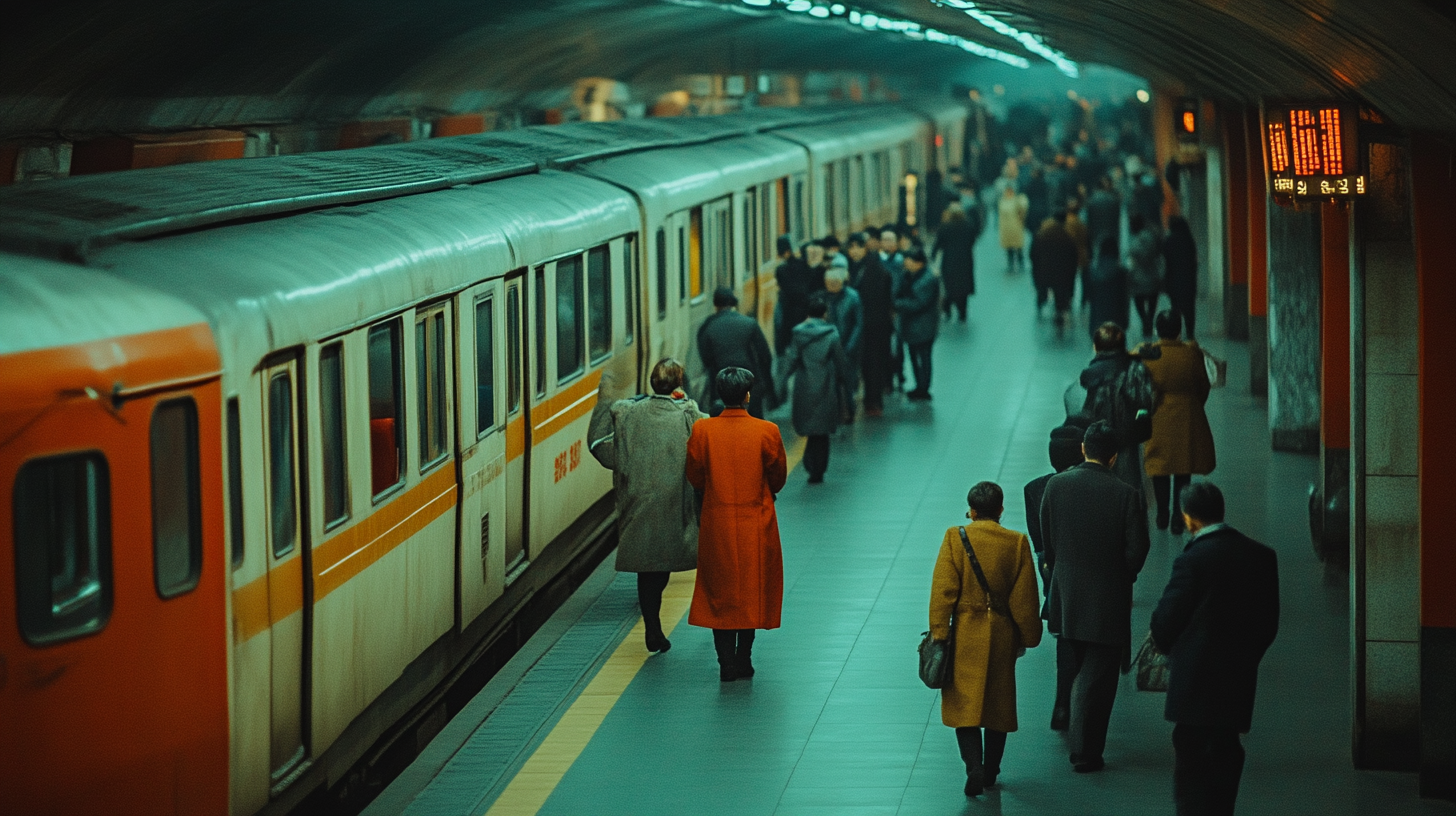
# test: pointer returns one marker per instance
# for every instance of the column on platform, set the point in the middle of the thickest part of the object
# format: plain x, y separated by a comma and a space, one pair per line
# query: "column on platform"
1236, 223
1258, 258
1434, 210
1293, 321
1208, 206
1384, 478
1333, 520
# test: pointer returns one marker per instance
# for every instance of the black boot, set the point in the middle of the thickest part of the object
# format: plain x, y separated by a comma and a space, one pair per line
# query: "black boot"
724, 644
995, 749
649, 597
744, 655
969, 742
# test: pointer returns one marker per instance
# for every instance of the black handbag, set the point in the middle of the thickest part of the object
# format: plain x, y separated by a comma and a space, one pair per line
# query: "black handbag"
935, 658
1152, 667
992, 604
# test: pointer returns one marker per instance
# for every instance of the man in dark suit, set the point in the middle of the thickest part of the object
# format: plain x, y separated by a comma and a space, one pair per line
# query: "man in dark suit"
1217, 617
1096, 540
1065, 450
729, 339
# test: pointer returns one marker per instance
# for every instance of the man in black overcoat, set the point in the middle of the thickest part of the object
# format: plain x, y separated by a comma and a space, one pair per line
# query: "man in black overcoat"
731, 339
1217, 617
877, 307
1096, 540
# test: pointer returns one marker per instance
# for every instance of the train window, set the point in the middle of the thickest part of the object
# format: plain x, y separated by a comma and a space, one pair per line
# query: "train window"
682, 264
176, 498
798, 227
830, 188
725, 247
331, 425
513, 349
433, 401
283, 511
235, 480
569, 318
750, 227
599, 301
695, 254
484, 366
841, 192
782, 202
631, 284
62, 510
661, 274
386, 408
540, 295
765, 223
861, 193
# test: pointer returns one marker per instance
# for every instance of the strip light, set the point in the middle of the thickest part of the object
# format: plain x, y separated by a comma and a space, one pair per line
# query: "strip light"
1031, 42
907, 28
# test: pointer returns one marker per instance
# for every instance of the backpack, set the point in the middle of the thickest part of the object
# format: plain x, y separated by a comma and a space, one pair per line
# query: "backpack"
1125, 400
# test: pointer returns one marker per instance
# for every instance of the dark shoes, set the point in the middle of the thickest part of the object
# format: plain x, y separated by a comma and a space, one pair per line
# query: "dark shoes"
919, 396
658, 642
745, 667
816, 478
1060, 719
1081, 764
975, 782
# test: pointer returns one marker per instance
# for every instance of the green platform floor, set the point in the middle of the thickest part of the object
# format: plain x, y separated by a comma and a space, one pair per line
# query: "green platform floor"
836, 722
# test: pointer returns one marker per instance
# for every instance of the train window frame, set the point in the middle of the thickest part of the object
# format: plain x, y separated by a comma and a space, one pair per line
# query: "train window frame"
662, 276
334, 435
485, 366
432, 384
766, 244
697, 255
570, 316
599, 323
539, 287
725, 246
515, 364
234, 430
282, 463
86, 611
831, 214
631, 282
751, 232
176, 514
682, 264
395, 327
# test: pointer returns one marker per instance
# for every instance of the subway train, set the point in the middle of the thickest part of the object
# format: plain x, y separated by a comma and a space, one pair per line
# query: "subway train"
284, 440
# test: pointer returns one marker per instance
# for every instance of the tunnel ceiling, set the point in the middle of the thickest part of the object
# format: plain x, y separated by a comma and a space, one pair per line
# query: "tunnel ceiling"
115, 66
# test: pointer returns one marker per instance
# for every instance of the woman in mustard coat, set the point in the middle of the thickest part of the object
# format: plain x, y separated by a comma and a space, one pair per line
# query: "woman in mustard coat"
1182, 442
989, 634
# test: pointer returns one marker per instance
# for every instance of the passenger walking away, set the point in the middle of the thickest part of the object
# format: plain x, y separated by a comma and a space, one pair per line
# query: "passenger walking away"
955, 243
845, 313
1107, 281
643, 440
1218, 616
916, 306
1065, 450
1054, 264
1182, 442
1096, 531
1077, 229
1145, 278
984, 593
1011, 212
730, 338
1120, 391
894, 262
738, 463
821, 373
793, 280
877, 304
1180, 270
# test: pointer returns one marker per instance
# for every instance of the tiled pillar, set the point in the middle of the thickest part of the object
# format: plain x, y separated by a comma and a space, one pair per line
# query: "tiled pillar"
1293, 286
1434, 209
1212, 255
1258, 196
1334, 537
1384, 480
1236, 224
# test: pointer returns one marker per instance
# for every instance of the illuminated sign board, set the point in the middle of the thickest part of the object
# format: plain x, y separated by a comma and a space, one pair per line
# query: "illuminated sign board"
1313, 151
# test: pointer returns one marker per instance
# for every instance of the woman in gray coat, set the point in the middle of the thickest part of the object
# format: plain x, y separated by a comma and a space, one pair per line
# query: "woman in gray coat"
1145, 276
643, 440
822, 378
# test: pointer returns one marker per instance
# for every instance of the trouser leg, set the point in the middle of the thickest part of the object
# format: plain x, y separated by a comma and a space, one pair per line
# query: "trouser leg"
920, 363
1093, 693
649, 596
1069, 661
816, 454
1180, 481
1207, 766
995, 749
744, 650
725, 643
1160, 494
876, 370
1010, 259
968, 739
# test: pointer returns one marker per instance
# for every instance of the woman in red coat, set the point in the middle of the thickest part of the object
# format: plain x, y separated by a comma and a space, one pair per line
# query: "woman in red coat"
738, 462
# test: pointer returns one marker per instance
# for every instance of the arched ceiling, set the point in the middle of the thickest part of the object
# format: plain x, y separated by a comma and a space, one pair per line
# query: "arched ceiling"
106, 65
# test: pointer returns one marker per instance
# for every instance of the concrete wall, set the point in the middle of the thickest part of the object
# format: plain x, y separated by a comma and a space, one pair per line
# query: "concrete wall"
1294, 328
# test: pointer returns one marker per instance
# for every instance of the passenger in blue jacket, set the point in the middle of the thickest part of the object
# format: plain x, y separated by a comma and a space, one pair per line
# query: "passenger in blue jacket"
1218, 616
917, 306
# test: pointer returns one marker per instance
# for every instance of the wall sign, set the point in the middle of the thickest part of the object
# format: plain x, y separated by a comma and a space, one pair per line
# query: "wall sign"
1313, 151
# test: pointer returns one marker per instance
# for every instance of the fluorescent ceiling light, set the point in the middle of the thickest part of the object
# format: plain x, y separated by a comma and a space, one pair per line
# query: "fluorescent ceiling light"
1030, 42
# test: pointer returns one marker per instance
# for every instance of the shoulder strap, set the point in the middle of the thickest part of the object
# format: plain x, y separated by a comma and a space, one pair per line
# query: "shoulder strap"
976, 566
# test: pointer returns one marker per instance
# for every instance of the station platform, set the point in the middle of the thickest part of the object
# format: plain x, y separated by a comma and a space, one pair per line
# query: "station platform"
584, 722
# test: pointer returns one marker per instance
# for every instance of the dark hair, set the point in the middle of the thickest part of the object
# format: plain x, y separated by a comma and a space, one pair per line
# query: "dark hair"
785, 245
667, 376
1107, 247
1100, 441
1202, 500
724, 297
732, 384
1108, 337
830, 240
1136, 223
1169, 324
818, 305
986, 499
915, 254
1065, 446
1060, 216
859, 239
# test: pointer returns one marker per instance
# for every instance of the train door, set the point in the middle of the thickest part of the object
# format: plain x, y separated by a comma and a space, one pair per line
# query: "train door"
675, 338
480, 416
289, 572
516, 338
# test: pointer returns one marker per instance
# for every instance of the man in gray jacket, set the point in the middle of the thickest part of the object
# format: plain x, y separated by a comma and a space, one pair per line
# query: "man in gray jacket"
1095, 532
816, 361
643, 440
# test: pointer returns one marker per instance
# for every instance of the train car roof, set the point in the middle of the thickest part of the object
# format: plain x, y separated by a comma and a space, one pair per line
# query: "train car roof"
74, 217
274, 284
830, 141
49, 304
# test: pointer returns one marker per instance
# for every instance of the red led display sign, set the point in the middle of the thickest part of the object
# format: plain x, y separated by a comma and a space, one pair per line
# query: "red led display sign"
1313, 151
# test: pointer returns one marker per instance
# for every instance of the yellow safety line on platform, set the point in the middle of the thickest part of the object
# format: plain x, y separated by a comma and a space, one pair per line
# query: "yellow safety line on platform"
543, 771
